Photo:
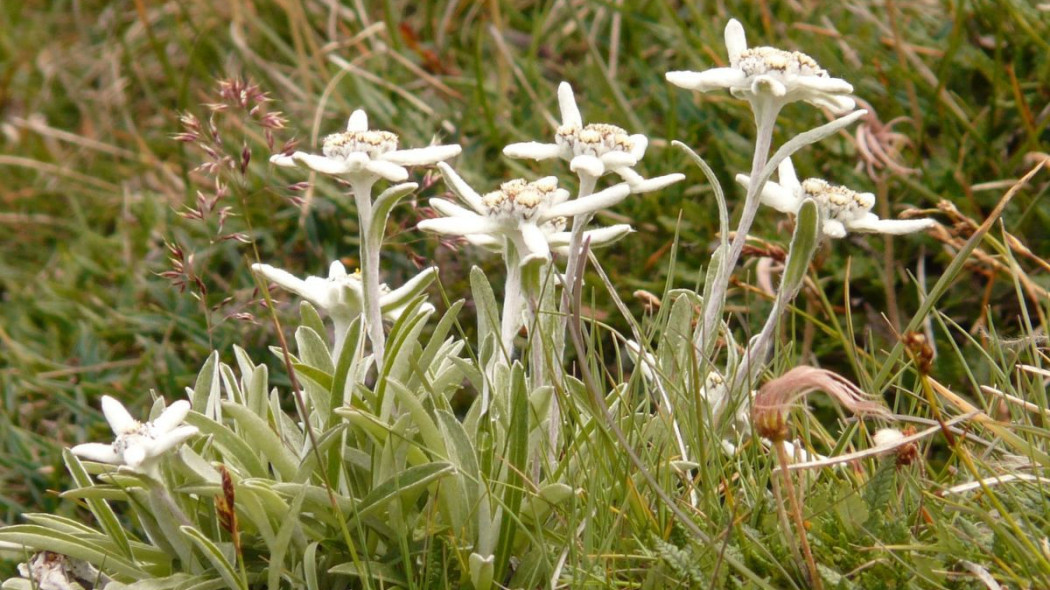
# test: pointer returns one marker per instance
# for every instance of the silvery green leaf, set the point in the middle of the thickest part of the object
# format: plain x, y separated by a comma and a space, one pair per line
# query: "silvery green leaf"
717, 259
378, 432
461, 454
806, 138
414, 287
309, 317
310, 566
803, 245
197, 467
168, 526
516, 454
428, 359
313, 350
256, 389
487, 312
63, 524
40, 538
446, 383
383, 204
289, 525
263, 437
230, 384
315, 499
402, 347
539, 506
341, 390
286, 427
404, 483
385, 575
215, 556
103, 513
481, 571
99, 492
333, 437
174, 582
244, 362
263, 509
318, 378
720, 198
205, 397
428, 429
676, 343
470, 371
540, 404
233, 448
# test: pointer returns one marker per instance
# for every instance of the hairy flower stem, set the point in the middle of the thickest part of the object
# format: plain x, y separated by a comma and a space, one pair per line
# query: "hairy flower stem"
796, 513
765, 119
572, 264
513, 303
362, 191
579, 224
161, 502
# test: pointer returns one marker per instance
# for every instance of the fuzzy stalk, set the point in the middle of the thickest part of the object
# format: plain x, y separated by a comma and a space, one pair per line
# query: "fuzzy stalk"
572, 266
579, 224
369, 256
513, 302
161, 502
765, 120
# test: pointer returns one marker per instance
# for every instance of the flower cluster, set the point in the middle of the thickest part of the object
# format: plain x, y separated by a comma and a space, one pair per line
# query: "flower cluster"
366, 155
761, 74
594, 149
529, 216
341, 294
842, 209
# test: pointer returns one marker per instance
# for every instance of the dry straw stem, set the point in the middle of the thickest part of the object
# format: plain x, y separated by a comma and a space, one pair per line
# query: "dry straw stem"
949, 274
1000, 429
878, 449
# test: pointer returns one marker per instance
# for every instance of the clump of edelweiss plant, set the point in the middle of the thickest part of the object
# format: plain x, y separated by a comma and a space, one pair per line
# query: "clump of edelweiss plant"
370, 482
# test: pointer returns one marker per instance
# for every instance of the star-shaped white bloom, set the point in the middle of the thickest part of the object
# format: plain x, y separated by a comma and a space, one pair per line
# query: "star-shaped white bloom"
48, 570
342, 293
594, 149
842, 210
138, 445
762, 73
366, 154
528, 215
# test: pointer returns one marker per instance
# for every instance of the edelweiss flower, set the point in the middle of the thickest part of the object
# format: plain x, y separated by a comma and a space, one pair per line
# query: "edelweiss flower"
139, 445
763, 73
366, 154
594, 149
47, 570
342, 294
528, 215
841, 209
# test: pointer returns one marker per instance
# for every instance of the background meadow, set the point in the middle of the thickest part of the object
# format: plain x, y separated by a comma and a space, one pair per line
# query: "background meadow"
120, 271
